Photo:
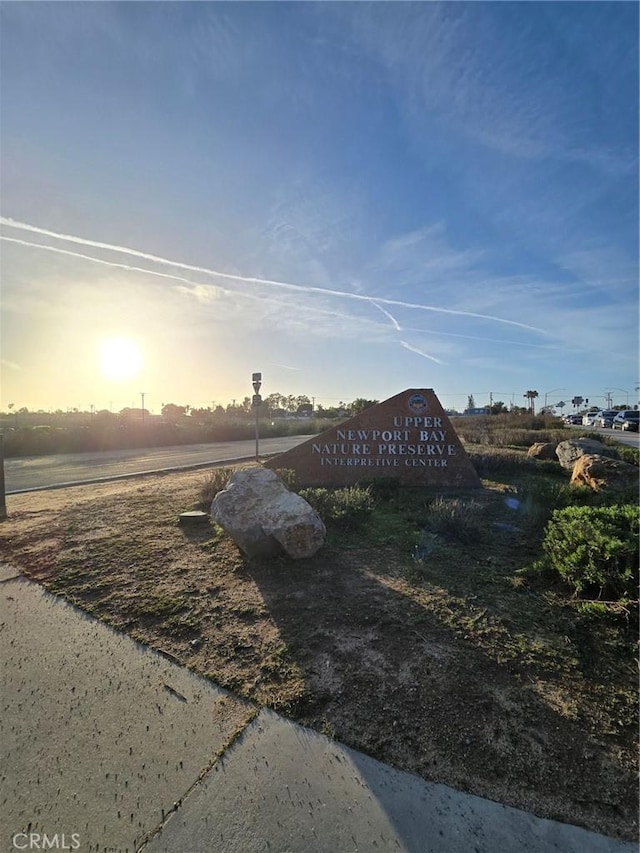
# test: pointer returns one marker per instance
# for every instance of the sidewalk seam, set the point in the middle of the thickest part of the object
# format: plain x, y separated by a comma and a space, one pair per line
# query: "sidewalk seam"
220, 753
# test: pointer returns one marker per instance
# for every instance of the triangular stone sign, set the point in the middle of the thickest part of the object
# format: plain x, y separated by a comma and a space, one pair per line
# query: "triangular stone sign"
408, 436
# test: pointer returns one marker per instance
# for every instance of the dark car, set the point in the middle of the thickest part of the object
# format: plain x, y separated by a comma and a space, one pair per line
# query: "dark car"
605, 418
572, 419
626, 420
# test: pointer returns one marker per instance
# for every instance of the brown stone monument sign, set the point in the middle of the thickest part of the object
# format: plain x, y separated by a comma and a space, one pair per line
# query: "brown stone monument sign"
408, 436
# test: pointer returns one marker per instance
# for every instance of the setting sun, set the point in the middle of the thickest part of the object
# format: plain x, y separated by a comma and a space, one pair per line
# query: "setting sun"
120, 358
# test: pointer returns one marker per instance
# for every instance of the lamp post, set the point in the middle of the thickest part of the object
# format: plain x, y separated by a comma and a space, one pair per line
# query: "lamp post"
256, 378
553, 391
3, 500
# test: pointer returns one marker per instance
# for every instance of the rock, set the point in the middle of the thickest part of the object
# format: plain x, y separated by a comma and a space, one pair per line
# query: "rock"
602, 472
543, 450
568, 451
264, 518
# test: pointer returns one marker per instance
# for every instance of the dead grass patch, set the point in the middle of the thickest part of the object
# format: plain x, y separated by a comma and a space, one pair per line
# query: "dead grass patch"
447, 663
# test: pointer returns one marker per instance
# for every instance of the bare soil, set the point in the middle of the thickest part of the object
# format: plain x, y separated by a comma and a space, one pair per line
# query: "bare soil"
452, 667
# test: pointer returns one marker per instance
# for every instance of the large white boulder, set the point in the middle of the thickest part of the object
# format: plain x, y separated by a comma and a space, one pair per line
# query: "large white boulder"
264, 518
568, 451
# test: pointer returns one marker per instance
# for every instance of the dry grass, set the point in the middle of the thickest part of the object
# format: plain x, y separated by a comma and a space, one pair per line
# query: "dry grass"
446, 663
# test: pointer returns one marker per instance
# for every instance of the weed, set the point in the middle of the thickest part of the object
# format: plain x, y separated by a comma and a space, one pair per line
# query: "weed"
382, 488
215, 482
455, 519
289, 477
540, 497
630, 455
159, 606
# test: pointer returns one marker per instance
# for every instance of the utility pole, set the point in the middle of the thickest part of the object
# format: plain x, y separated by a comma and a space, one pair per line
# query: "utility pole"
142, 396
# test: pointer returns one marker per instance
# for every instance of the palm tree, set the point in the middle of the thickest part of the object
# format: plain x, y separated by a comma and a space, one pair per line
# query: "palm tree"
531, 395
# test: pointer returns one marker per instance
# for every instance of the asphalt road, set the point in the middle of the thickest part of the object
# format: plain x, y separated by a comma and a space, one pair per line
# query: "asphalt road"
632, 439
40, 472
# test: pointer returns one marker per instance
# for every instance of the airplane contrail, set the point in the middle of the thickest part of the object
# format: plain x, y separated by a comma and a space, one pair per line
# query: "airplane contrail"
127, 267
396, 325
420, 352
11, 223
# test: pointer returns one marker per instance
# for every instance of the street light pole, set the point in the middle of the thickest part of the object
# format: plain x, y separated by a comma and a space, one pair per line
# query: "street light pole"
3, 500
257, 399
553, 391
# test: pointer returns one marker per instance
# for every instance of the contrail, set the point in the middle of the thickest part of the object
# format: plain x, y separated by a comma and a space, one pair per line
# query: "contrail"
127, 267
419, 352
396, 325
11, 223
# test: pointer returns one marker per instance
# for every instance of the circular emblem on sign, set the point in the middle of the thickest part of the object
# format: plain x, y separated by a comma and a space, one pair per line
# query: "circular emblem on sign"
417, 403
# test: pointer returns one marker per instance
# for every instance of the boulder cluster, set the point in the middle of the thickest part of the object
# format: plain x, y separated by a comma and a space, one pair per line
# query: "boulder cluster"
591, 463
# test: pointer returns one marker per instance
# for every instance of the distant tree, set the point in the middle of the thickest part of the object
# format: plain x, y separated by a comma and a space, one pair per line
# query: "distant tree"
471, 403
275, 401
201, 415
173, 413
498, 408
360, 404
531, 396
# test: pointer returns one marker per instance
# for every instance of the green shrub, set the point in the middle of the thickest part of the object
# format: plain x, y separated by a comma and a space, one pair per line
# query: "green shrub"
347, 507
595, 549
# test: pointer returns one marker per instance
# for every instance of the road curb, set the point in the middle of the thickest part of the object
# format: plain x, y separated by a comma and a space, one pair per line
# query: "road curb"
114, 478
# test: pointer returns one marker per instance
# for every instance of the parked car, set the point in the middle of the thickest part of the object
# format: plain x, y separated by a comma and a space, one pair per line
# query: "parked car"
605, 418
626, 420
590, 418
572, 419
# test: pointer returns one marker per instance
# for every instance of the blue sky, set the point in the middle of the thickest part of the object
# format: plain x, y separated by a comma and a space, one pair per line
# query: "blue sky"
351, 198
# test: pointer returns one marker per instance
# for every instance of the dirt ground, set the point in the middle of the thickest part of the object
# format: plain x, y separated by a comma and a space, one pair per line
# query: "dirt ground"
451, 669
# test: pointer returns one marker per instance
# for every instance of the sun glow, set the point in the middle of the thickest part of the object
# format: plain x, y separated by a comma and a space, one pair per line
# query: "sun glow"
120, 358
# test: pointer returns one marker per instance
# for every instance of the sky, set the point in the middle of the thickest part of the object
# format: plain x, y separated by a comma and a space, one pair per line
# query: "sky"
350, 198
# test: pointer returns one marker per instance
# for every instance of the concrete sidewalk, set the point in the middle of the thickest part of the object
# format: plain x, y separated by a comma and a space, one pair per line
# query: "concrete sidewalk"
108, 746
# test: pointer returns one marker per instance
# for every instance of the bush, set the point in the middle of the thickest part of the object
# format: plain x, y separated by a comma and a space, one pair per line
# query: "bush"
540, 497
382, 488
595, 549
288, 476
631, 455
455, 519
216, 481
348, 507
